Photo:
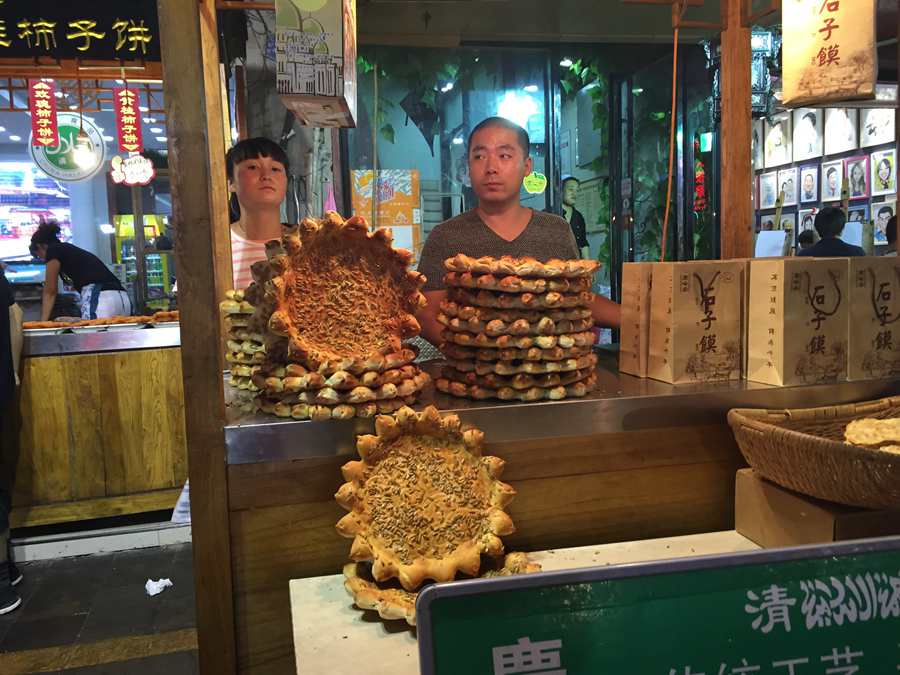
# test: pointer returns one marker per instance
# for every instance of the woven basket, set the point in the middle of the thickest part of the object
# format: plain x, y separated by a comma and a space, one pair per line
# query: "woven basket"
804, 450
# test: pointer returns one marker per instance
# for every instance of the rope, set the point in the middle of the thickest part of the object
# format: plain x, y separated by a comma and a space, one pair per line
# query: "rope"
682, 6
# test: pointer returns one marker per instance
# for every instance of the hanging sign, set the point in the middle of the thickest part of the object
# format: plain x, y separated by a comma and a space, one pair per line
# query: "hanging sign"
42, 104
535, 183
133, 170
828, 51
65, 161
824, 610
128, 122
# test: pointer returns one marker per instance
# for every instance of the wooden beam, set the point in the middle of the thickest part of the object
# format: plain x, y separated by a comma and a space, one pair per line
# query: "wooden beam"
196, 161
736, 233
135, 71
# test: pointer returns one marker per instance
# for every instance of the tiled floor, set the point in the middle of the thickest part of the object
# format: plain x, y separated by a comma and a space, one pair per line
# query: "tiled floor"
78, 602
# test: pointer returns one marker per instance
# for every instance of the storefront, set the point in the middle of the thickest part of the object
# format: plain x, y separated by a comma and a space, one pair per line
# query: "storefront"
635, 459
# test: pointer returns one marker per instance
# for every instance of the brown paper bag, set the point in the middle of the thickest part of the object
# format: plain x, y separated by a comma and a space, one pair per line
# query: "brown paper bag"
798, 315
695, 321
634, 340
874, 329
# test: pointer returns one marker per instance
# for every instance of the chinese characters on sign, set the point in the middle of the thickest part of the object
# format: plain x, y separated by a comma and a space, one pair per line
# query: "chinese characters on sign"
541, 658
127, 122
131, 36
42, 104
828, 51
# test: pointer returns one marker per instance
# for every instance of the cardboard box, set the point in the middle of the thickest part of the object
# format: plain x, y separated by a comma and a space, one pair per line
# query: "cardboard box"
773, 516
798, 314
874, 331
315, 54
634, 341
695, 321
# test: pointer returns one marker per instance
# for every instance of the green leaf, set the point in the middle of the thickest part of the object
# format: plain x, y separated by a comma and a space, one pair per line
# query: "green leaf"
387, 132
428, 98
567, 87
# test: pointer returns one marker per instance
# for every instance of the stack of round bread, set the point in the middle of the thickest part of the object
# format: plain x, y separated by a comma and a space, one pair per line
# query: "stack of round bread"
333, 304
517, 329
245, 349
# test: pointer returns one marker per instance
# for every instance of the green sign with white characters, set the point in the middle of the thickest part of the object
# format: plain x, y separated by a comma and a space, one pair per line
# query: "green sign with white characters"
822, 610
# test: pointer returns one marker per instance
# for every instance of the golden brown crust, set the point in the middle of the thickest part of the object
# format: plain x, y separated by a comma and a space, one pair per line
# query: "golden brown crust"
565, 340
487, 314
524, 267
550, 300
329, 396
294, 378
535, 324
477, 392
517, 381
454, 351
516, 284
340, 293
423, 503
321, 412
530, 367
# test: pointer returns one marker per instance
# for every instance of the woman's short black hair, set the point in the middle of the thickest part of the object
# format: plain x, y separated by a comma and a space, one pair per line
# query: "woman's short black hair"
830, 222
252, 148
47, 233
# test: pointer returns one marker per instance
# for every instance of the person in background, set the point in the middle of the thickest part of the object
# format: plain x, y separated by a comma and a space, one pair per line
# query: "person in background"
257, 171
890, 232
829, 224
102, 294
572, 215
10, 352
499, 160
806, 239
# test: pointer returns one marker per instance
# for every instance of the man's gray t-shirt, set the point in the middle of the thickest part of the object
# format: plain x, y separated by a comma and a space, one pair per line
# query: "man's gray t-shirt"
546, 236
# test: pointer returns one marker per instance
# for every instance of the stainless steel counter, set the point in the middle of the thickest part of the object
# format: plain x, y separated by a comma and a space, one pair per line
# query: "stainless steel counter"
620, 403
59, 342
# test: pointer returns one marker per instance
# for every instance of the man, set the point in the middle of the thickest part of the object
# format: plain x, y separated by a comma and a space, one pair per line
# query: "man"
884, 215
572, 215
890, 232
809, 187
10, 351
499, 160
834, 190
829, 224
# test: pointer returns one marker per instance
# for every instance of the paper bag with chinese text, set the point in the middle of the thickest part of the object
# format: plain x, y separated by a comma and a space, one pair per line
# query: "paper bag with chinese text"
798, 320
634, 341
828, 51
695, 321
874, 318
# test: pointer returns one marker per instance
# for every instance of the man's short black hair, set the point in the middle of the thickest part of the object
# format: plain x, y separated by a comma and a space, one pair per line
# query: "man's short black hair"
502, 123
566, 179
253, 148
885, 209
830, 222
831, 171
891, 230
806, 238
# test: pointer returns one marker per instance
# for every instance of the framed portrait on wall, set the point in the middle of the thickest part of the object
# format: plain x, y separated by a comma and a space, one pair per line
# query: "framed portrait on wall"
876, 127
858, 213
832, 178
788, 184
789, 224
884, 172
756, 144
840, 130
856, 169
768, 190
778, 140
809, 184
881, 214
807, 133
807, 220
767, 221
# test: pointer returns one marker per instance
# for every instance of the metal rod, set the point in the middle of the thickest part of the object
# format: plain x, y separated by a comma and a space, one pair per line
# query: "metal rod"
140, 267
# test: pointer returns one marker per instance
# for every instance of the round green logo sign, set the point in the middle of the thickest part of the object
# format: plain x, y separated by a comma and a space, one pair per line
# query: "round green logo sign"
66, 161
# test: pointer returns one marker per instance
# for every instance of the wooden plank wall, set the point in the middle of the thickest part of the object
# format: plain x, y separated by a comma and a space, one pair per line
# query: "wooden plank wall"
571, 492
98, 426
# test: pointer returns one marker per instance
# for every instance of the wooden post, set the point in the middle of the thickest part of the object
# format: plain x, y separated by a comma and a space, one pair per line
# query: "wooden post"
735, 211
191, 84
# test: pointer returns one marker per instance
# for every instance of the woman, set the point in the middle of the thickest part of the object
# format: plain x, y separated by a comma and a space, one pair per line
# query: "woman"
257, 171
884, 175
857, 180
102, 295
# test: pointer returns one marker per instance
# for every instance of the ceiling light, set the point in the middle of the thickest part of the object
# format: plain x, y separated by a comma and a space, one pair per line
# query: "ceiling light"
120, 81
161, 139
637, 90
458, 140
73, 106
13, 137
58, 94
2, 129
108, 138
156, 130
106, 228
530, 88
143, 108
566, 62
447, 87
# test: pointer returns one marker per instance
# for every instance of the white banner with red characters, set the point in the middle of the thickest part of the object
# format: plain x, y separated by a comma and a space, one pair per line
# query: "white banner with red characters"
42, 104
828, 51
128, 122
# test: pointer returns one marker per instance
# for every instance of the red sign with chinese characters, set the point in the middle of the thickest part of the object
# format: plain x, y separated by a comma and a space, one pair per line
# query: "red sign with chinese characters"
128, 122
42, 104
